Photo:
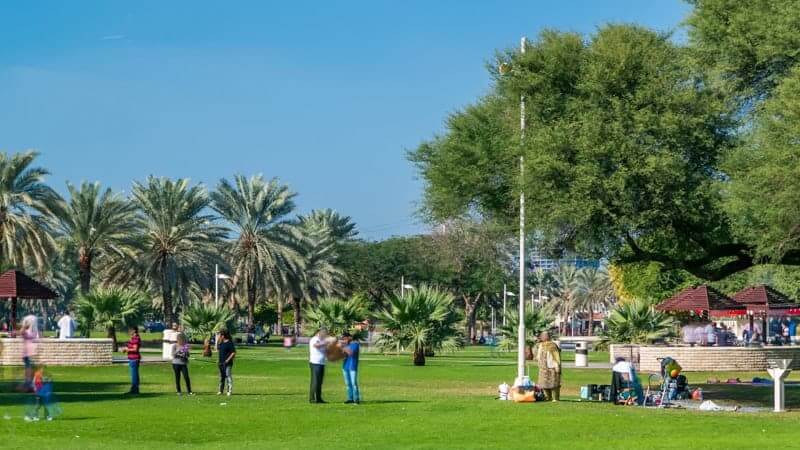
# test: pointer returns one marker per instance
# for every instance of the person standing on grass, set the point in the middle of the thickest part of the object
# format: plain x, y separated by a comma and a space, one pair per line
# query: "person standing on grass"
548, 355
66, 326
350, 368
227, 352
317, 349
180, 363
30, 336
134, 358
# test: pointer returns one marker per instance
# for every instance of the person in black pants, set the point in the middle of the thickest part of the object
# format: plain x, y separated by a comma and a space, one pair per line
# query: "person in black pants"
227, 352
180, 363
317, 348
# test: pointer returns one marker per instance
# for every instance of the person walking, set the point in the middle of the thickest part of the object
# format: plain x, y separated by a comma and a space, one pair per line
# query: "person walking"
180, 364
30, 337
317, 349
350, 367
227, 352
66, 326
548, 355
134, 358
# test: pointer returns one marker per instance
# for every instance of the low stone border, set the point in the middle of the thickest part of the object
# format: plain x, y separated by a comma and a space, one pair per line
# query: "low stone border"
707, 359
59, 352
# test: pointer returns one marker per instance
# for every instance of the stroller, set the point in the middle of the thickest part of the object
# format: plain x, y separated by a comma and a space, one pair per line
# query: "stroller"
673, 385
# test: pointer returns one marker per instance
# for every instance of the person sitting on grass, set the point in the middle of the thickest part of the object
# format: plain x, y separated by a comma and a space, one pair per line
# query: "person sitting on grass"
134, 358
227, 352
180, 363
350, 367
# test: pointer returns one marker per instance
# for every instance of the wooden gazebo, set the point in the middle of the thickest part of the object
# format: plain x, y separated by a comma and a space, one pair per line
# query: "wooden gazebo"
15, 285
702, 300
763, 301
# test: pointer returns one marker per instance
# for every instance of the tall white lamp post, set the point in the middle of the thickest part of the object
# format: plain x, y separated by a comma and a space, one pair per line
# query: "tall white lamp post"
521, 337
218, 276
404, 286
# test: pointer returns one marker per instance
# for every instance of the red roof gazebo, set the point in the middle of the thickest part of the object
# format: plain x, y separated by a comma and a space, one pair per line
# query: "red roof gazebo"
764, 300
702, 299
15, 285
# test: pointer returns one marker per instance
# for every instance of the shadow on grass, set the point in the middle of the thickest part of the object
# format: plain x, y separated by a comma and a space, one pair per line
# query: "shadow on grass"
387, 402
748, 394
23, 399
73, 391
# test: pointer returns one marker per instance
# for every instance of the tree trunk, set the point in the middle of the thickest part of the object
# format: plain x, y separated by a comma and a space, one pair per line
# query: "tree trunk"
470, 310
297, 320
590, 328
279, 324
112, 333
419, 357
85, 270
166, 297
251, 304
207, 347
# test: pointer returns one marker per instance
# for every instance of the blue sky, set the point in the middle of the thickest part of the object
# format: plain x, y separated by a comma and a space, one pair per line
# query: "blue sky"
326, 96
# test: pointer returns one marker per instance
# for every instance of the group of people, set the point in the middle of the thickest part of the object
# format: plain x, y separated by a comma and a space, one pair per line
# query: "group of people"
319, 347
180, 353
707, 334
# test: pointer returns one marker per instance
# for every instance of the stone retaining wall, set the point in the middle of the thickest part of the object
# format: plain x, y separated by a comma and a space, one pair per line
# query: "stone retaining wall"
58, 352
711, 359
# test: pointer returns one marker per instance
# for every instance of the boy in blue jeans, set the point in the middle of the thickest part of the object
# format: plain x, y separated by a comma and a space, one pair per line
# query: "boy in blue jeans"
350, 368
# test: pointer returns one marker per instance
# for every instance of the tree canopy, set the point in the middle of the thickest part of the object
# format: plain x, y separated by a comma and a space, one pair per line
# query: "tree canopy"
638, 148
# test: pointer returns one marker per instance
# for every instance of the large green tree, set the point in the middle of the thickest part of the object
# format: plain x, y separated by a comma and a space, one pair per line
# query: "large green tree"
622, 151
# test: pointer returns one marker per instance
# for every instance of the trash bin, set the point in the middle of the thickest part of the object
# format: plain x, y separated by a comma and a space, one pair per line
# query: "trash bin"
581, 354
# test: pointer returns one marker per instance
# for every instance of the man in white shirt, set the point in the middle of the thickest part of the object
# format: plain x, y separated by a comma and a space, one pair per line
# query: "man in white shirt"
66, 326
317, 349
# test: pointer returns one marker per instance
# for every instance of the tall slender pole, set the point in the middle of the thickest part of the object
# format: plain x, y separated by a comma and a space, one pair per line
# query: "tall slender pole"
505, 294
402, 286
216, 285
521, 336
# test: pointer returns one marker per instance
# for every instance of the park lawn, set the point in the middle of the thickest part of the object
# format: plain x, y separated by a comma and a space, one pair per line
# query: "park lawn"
447, 404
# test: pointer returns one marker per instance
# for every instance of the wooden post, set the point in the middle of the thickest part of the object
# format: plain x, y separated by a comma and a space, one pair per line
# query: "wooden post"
13, 324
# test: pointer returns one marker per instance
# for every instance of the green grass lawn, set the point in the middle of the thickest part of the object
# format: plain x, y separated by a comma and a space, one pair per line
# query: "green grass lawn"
448, 404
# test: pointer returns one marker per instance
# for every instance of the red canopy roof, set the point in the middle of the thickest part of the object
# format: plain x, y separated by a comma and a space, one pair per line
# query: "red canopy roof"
763, 298
700, 299
15, 284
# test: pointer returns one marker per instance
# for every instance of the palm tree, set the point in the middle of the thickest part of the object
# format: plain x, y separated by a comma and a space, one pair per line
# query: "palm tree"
596, 292
637, 322
536, 321
27, 210
179, 241
565, 295
338, 315
341, 227
319, 277
111, 308
265, 249
423, 319
97, 222
202, 321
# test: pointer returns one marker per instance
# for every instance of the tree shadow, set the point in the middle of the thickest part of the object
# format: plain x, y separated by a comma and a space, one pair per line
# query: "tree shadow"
748, 394
73, 391
387, 402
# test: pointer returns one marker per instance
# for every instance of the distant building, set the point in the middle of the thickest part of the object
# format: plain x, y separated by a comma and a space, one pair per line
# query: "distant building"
539, 261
